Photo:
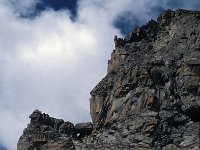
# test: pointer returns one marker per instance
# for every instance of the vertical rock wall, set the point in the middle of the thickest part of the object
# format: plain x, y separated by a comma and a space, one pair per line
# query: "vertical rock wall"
150, 98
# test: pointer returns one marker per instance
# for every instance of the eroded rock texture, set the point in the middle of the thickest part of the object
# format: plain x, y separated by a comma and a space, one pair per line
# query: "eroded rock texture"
150, 98
47, 133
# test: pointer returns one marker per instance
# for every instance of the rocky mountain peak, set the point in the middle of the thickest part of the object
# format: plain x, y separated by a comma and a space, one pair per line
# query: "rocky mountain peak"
150, 98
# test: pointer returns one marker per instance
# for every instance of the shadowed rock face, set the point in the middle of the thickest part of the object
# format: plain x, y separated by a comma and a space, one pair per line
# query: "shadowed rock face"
45, 132
150, 98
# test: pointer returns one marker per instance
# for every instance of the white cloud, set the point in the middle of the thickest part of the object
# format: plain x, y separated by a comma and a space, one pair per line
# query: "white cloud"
51, 63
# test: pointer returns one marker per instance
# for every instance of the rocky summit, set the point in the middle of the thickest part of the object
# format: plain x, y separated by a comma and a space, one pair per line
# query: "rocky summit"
149, 99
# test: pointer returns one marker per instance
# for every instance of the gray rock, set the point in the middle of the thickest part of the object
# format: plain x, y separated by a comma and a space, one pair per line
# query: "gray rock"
149, 100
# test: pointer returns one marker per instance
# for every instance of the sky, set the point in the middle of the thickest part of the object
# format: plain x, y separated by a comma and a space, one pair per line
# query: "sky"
53, 53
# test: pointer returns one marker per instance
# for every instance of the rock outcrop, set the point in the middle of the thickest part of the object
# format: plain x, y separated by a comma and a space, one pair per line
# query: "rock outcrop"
47, 133
150, 98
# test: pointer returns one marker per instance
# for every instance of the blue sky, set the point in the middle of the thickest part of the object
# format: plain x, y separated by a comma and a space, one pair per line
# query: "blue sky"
121, 22
53, 52
2, 148
43, 5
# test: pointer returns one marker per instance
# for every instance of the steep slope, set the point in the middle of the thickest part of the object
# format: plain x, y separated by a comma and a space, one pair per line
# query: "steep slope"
150, 98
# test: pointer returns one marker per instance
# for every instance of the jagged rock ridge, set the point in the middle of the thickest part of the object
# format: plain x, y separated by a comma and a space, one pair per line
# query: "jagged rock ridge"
45, 132
150, 98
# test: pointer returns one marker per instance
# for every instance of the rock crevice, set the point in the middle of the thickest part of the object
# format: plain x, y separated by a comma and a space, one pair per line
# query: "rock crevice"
149, 99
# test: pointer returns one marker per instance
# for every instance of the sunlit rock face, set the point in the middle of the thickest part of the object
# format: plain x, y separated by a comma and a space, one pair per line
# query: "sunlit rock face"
150, 98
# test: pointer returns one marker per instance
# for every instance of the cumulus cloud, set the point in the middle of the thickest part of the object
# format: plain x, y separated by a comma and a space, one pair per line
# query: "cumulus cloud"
51, 63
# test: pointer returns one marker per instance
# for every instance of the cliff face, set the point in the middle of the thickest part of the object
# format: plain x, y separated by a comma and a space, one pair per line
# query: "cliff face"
150, 98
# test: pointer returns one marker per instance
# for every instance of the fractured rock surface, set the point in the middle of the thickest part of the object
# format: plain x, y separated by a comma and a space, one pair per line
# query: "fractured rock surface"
150, 98
47, 133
